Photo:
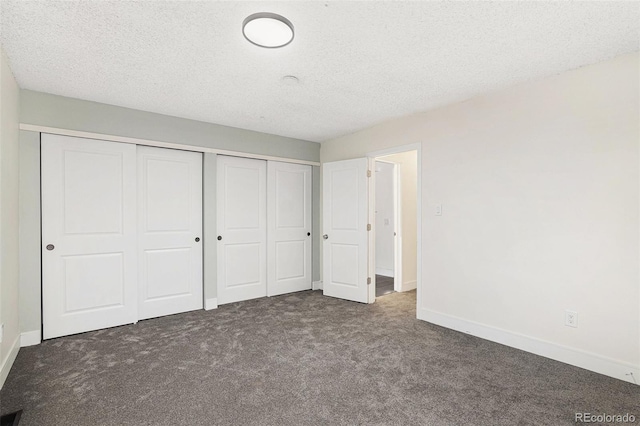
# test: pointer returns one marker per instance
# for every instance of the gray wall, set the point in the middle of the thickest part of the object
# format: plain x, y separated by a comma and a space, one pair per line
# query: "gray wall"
209, 171
30, 257
73, 114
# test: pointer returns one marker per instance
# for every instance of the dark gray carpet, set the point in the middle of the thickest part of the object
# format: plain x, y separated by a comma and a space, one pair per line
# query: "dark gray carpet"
384, 285
300, 359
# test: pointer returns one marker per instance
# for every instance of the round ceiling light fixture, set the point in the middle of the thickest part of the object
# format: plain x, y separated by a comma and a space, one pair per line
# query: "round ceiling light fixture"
267, 30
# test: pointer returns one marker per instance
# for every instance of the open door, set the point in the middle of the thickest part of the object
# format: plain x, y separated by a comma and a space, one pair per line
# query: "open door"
345, 236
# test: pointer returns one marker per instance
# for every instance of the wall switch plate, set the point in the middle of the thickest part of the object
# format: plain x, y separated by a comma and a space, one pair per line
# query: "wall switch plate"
571, 319
438, 209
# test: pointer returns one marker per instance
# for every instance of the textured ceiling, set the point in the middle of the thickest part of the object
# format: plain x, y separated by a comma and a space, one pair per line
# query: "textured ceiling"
359, 63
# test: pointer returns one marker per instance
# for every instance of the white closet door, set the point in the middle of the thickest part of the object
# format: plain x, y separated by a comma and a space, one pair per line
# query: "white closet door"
289, 227
170, 229
344, 225
242, 228
89, 262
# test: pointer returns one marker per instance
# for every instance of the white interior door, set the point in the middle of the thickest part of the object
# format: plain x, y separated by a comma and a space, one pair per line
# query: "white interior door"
89, 262
169, 231
345, 239
242, 228
289, 227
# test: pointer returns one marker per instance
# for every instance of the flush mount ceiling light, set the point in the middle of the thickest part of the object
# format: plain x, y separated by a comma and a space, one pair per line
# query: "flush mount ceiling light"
267, 30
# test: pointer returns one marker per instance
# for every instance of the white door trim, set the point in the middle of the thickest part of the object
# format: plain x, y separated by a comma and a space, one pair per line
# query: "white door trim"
396, 150
397, 222
371, 234
149, 142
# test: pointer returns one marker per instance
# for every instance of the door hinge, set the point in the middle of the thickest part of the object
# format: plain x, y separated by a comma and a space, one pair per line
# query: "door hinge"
368, 280
368, 173
368, 227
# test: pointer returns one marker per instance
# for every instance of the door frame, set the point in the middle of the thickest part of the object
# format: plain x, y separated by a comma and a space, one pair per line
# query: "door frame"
372, 258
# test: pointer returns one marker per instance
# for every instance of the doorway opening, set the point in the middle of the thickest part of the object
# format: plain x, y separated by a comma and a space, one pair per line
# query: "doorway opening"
395, 222
348, 224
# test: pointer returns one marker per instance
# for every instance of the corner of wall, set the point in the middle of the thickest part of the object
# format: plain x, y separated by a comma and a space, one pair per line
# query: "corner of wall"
9, 216
572, 356
7, 363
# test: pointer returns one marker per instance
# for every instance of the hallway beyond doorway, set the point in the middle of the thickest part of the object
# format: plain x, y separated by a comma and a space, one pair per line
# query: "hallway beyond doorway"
384, 285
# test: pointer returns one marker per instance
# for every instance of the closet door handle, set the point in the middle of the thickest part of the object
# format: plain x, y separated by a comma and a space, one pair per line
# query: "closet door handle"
219, 237
308, 234
197, 239
50, 247
325, 236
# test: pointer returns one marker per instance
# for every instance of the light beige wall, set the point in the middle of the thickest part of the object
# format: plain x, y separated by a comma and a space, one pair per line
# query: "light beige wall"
9, 222
408, 174
540, 194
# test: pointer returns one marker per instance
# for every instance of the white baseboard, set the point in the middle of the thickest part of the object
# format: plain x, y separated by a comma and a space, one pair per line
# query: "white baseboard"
385, 272
210, 304
316, 285
7, 363
576, 357
30, 338
408, 286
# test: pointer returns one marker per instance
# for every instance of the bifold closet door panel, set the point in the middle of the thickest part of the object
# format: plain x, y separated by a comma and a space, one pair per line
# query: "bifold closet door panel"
89, 259
289, 227
169, 231
242, 228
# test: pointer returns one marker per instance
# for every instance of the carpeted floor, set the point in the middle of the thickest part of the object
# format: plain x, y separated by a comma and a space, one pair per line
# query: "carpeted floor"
300, 359
384, 285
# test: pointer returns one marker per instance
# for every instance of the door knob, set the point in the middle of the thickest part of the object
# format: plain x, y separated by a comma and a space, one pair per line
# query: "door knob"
325, 236
50, 247
219, 237
197, 239
308, 234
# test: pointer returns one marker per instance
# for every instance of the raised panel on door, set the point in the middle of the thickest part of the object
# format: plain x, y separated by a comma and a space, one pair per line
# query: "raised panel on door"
289, 227
345, 239
170, 221
242, 231
89, 265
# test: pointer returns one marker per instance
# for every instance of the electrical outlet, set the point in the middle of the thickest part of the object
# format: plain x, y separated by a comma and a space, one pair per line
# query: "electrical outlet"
438, 209
571, 318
